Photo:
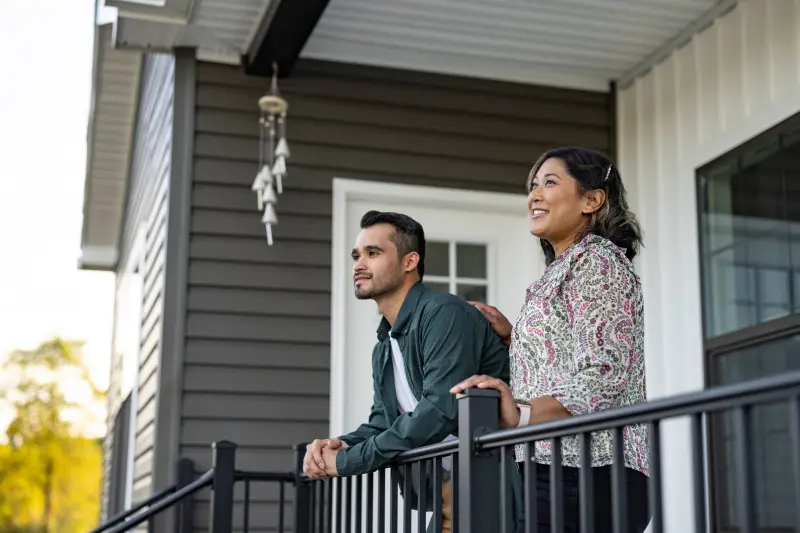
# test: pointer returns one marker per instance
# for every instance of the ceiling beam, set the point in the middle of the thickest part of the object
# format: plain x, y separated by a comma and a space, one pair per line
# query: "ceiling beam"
281, 36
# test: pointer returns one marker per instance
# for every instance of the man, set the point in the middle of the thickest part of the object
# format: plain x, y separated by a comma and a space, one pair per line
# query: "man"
427, 343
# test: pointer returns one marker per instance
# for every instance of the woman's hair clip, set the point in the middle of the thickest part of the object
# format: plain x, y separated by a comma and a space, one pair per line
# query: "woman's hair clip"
608, 173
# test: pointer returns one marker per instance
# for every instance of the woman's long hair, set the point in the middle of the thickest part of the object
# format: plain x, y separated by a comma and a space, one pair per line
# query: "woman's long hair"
594, 170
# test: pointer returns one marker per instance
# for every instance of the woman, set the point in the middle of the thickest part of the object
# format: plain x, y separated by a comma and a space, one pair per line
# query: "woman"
578, 344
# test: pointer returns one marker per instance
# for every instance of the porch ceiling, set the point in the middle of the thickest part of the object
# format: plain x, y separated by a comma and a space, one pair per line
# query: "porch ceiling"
574, 43
580, 44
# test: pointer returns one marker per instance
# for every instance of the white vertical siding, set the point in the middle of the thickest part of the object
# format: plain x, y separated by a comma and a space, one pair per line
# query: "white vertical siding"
737, 78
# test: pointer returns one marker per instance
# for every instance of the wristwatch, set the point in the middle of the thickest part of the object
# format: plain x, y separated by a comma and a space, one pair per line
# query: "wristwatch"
524, 413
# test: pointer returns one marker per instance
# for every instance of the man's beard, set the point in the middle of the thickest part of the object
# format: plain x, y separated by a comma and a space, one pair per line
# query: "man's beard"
379, 288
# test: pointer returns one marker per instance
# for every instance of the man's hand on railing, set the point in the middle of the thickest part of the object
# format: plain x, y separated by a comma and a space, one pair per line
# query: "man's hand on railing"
320, 459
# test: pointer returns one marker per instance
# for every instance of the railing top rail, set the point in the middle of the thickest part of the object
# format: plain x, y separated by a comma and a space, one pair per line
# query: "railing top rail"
133, 510
756, 391
439, 449
251, 475
201, 482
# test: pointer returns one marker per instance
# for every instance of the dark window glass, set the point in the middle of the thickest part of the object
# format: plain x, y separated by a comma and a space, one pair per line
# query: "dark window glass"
437, 258
471, 261
771, 460
750, 234
472, 292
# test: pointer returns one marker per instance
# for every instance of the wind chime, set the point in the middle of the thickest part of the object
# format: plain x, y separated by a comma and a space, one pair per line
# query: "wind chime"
271, 157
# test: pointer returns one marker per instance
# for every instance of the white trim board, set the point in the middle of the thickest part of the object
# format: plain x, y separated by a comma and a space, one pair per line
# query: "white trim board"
348, 190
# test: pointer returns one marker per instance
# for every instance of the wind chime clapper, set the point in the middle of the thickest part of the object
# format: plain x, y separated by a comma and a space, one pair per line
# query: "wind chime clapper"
272, 156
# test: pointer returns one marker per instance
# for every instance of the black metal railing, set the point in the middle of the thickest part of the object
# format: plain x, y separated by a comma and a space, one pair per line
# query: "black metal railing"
221, 478
479, 478
476, 471
148, 509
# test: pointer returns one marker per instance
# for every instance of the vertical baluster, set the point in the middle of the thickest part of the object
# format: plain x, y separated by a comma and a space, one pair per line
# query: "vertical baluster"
698, 478
346, 502
531, 497
422, 496
744, 467
246, 524
454, 494
794, 441
370, 497
359, 502
506, 521
394, 488
282, 506
382, 500
619, 494
331, 506
654, 483
436, 519
585, 490
321, 507
339, 499
312, 493
407, 497
556, 488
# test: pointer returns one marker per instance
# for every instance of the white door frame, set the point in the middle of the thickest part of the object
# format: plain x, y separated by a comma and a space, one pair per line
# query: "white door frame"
347, 190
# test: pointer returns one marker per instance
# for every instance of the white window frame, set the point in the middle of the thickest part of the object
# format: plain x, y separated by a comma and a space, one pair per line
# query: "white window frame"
452, 280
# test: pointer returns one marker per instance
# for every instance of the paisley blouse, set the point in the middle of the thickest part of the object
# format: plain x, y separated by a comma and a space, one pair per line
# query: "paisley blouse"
580, 339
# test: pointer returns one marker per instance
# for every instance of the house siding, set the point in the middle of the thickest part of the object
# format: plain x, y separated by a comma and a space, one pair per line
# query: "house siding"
737, 78
256, 361
145, 213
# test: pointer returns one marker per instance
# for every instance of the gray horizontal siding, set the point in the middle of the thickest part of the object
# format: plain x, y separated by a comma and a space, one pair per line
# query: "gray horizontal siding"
146, 210
256, 365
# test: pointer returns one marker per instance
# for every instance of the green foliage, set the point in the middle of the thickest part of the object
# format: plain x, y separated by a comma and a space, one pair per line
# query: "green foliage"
50, 478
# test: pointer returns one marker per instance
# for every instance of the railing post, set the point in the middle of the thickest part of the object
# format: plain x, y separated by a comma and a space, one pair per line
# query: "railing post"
185, 518
478, 472
224, 464
302, 493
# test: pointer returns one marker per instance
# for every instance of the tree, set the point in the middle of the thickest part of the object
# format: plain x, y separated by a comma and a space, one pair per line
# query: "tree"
50, 476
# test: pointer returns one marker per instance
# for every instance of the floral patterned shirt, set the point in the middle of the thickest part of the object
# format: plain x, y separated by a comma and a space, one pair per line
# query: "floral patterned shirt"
580, 339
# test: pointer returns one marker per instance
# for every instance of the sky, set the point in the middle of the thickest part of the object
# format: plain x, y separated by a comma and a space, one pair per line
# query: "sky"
46, 68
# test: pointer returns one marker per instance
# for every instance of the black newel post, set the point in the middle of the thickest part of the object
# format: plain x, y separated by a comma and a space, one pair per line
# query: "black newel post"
185, 518
478, 472
224, 464
302, 493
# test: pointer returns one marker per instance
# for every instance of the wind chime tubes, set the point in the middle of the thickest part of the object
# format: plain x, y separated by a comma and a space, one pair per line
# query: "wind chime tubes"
271, 157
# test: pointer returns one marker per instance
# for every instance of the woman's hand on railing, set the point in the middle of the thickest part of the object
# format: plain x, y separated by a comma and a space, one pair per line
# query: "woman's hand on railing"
509, 412
497, 320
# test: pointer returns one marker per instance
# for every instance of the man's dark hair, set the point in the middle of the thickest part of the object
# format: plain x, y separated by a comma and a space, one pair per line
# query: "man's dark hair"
408, 234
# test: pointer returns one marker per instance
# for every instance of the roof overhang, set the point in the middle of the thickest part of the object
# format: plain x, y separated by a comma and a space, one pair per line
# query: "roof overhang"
579, 44
112, 115
220, 30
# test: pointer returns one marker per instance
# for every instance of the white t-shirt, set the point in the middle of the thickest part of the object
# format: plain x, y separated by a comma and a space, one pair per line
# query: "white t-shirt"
405, 398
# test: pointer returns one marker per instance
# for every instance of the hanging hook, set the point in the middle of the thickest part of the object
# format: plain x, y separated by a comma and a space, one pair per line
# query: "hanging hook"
274, 77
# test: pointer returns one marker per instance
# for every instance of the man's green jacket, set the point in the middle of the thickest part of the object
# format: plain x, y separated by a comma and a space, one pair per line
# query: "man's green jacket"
444, 340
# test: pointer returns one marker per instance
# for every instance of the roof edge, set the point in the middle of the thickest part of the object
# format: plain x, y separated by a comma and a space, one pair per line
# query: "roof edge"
99, 258
91, 258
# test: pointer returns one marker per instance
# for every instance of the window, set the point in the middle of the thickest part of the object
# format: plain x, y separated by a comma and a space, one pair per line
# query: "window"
749, 202
459, 268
